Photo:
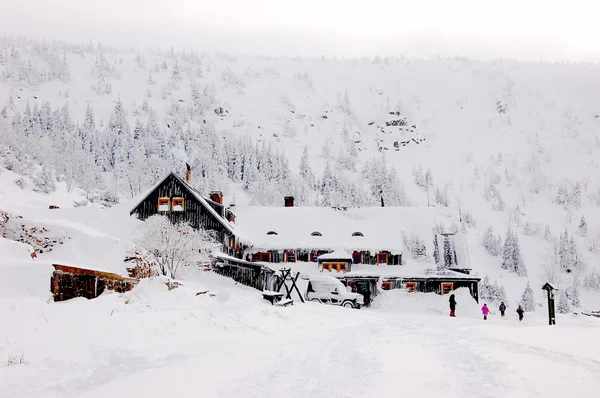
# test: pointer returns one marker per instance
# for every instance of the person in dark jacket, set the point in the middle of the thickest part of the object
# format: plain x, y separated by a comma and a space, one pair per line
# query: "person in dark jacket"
502, 308
452, 305
520, 311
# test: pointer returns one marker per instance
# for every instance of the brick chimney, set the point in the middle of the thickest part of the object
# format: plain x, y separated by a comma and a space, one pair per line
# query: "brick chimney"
216, 196
188, 174
230, 216
289, 201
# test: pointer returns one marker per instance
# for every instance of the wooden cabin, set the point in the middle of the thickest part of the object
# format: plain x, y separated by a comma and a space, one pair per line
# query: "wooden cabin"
440, 282
68, 282
177, 200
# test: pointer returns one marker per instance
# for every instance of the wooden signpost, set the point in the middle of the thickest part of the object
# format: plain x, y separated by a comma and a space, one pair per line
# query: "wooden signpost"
550, 290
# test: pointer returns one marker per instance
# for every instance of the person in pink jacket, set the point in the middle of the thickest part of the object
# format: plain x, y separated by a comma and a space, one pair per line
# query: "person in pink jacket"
485, 311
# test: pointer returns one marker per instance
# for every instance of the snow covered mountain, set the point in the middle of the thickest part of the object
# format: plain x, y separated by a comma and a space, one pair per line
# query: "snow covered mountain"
501, 144
509, 149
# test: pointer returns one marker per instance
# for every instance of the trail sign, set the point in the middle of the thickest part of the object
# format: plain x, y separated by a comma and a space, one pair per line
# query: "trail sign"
551, 315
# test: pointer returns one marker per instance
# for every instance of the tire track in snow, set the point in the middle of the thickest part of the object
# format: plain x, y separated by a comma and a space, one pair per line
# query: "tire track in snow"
322, 364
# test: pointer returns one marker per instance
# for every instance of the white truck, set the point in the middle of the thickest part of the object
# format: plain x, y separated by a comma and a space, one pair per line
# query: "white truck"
329, 290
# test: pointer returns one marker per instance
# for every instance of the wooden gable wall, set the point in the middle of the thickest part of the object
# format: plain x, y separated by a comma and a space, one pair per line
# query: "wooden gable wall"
194, 211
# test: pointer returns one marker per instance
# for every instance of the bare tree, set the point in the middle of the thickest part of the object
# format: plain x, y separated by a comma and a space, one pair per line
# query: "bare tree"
175, 245
550, 267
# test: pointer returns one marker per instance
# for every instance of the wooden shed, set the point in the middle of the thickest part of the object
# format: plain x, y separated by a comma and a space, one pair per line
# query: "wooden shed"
247, 273
68, 282
440, 284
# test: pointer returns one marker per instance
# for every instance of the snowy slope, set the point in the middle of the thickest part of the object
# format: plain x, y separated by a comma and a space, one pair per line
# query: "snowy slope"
228, 342
500, 138
504, 142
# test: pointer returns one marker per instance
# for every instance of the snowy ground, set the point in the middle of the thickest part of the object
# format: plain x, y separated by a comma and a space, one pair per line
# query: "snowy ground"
152, 342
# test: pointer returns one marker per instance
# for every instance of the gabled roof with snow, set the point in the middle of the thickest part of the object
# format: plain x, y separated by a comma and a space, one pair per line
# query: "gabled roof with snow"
204, 202
382, 227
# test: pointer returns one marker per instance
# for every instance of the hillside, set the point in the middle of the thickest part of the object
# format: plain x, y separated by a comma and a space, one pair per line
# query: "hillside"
506, 143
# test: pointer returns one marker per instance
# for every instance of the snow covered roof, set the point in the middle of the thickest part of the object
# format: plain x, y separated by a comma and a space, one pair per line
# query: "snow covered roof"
336, 255
382, 227
414, 272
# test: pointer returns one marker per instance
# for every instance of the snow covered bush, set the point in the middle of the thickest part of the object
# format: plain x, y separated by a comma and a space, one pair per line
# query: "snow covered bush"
563, 306
573, 293
569, 194
44, 181
468, 219
416, 246
591, 280
582, 227
593, 244
441, 196
493, 244
20, 183
419, 177
528, 299
80, 203
491, 292
511, 254
570, 258
104, 198
531, 229
175, 245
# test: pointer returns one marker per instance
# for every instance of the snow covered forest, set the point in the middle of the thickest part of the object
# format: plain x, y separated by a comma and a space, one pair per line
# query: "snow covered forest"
512, 148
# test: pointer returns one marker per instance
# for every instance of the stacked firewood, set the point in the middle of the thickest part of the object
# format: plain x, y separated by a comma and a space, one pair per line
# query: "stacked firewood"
143, 264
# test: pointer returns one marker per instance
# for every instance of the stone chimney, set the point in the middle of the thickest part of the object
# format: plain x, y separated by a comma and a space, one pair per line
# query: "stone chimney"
188, 174
216, 196
289, 201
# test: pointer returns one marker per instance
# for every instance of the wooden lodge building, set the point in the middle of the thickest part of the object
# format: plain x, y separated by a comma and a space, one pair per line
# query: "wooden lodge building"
371, 238
176, 199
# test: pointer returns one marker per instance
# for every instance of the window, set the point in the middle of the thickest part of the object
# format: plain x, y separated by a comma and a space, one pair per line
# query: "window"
447, 287
386, 285
382, 258
264, 257
357, 233
316, 233
163, 204
411, 286
290, 257
357, 257
331, 266
313, 257
178, 204
271, 233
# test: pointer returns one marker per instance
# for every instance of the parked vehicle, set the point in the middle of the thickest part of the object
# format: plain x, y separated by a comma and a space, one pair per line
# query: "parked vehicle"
329, 290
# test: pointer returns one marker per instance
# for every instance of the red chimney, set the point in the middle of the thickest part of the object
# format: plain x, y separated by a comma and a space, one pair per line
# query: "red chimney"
188, 174
230, 216
289, 201
216, 196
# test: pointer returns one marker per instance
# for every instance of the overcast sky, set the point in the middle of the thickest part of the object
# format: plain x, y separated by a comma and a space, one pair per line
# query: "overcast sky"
525, 29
